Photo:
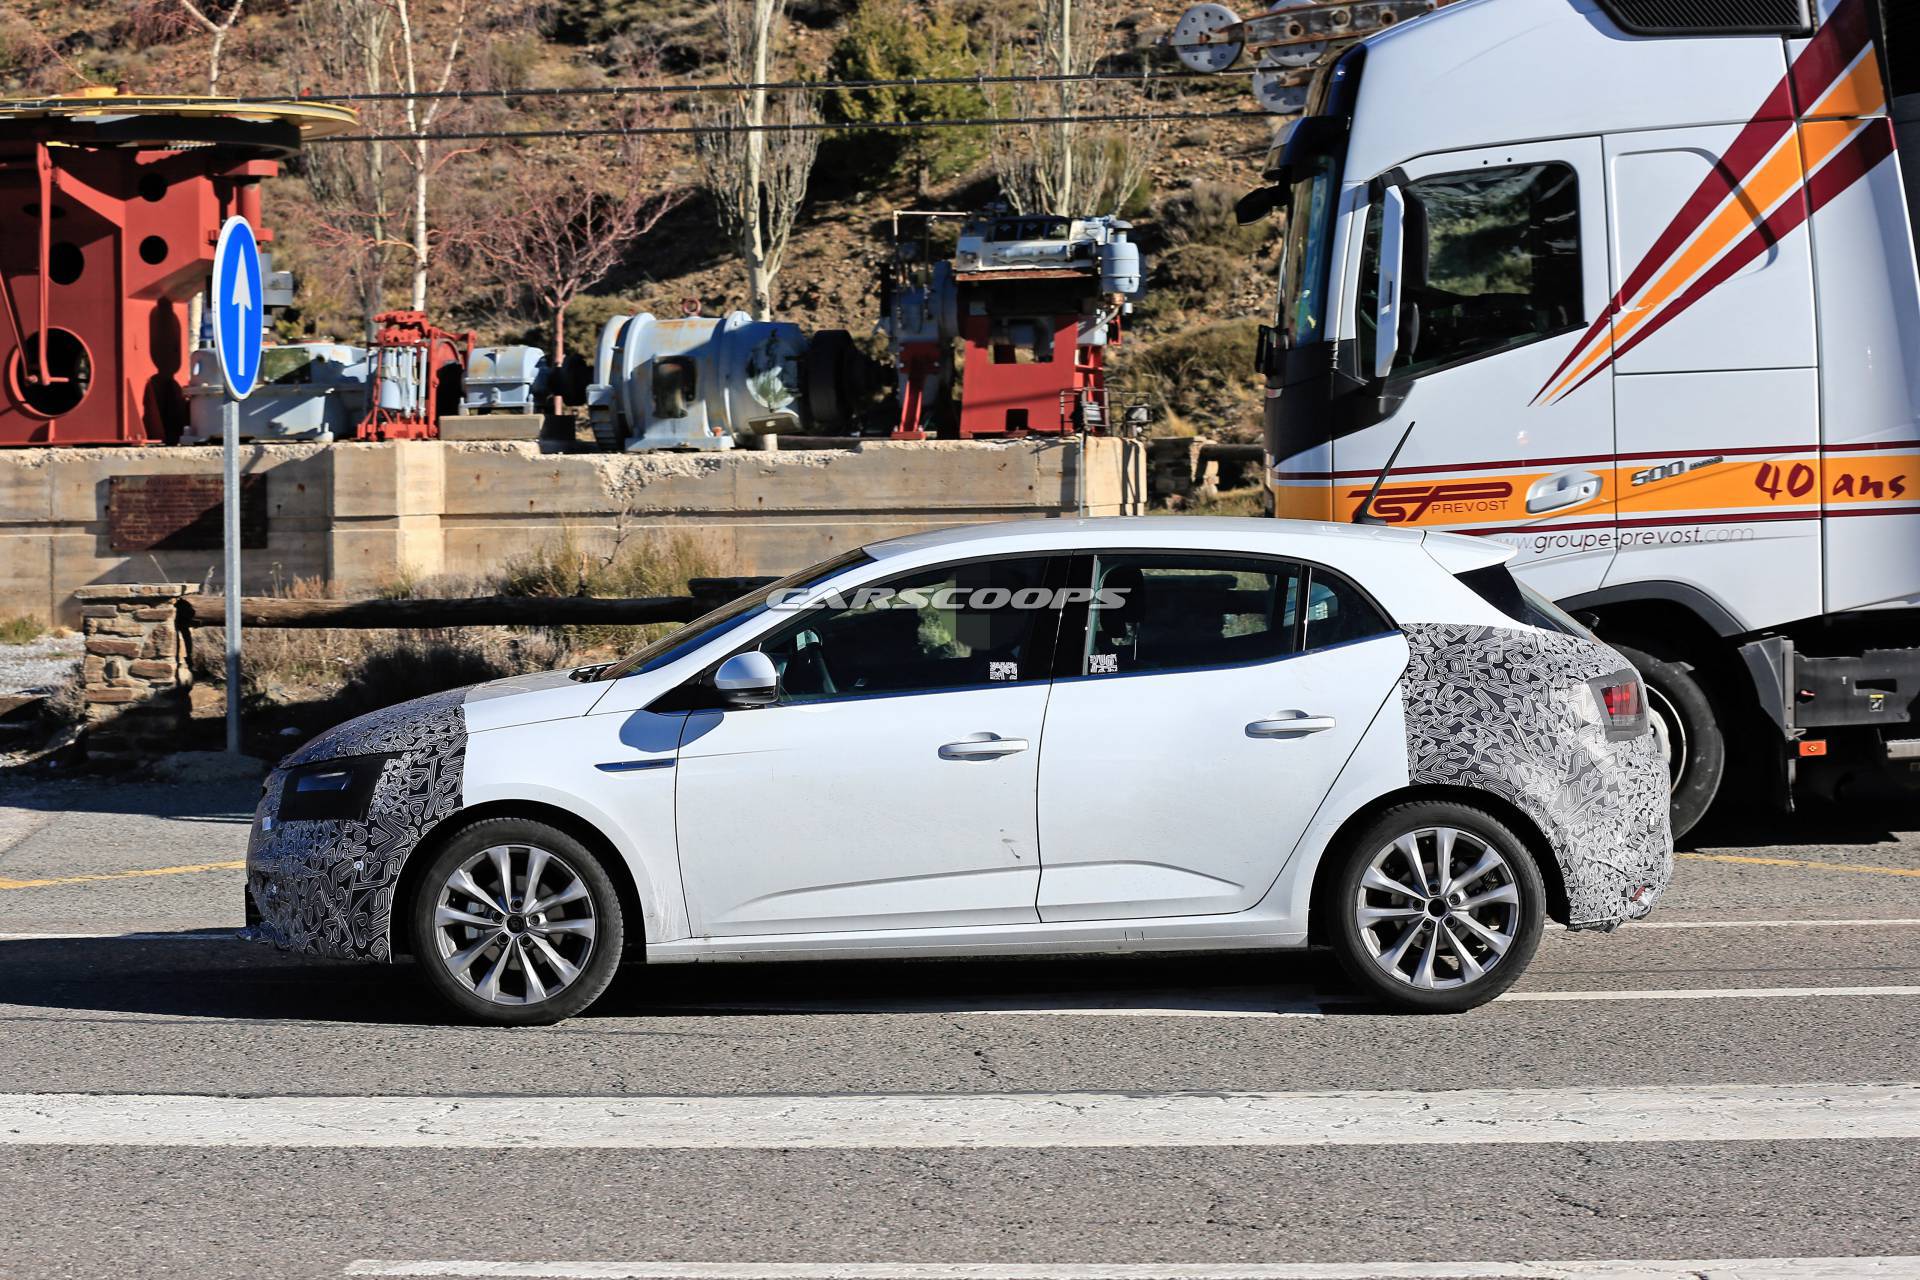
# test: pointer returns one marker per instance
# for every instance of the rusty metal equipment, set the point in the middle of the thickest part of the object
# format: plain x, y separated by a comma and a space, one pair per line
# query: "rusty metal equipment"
1287, 42
1026, 308
109, 205
417, 376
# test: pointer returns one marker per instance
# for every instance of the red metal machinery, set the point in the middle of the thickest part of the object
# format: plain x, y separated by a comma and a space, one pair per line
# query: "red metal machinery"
109, 207
417, 375
1032, 301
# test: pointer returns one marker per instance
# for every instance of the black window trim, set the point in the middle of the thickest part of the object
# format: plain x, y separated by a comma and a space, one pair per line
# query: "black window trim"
1397, 176
692, 694
1070, 641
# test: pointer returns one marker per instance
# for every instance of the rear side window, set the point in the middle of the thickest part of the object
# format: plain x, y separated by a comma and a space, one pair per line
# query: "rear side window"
1498, 587
1339, 612
1174, 612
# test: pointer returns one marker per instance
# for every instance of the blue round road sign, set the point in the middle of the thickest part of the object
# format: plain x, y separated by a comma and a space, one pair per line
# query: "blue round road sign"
237, 312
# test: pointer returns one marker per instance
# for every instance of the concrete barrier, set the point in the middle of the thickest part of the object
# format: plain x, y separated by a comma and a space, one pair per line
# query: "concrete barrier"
360, 515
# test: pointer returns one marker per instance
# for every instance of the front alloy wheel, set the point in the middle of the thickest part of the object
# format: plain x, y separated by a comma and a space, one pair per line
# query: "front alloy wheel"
516, 923
1440, 908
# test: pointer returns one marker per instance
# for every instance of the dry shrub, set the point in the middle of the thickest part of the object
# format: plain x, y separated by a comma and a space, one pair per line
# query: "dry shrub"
1203, 214
652, 564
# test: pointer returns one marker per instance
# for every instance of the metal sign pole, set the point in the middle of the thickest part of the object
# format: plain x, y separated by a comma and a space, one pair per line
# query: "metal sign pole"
230, 554
237, 335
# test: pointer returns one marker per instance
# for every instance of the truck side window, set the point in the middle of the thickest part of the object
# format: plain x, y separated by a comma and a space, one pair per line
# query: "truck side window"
1502, 257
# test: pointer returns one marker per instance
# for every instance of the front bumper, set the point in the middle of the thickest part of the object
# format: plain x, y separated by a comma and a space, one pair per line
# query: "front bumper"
318, 887
326, 886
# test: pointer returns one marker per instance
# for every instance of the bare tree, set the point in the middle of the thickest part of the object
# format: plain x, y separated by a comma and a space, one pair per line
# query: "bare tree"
346, 47
756, 177
559, 222
219, 30
418, 151
1071, 167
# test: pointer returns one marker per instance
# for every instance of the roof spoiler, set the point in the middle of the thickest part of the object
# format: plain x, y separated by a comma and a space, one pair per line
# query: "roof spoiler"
1458, 554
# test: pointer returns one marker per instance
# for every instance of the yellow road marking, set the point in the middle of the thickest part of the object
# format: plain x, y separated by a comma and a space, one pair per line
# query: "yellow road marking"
123, 875
1801, 862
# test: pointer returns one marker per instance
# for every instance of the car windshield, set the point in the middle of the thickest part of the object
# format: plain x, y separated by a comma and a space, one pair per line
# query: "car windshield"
676, 644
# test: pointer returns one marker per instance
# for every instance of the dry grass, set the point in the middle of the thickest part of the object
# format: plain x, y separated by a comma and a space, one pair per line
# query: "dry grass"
21, 630
339, 673
633, 567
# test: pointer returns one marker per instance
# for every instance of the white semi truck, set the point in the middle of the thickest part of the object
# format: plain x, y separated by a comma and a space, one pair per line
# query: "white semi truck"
1631, 284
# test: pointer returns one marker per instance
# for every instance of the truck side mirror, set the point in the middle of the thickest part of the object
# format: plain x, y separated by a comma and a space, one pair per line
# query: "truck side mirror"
1258, 203
1386, 338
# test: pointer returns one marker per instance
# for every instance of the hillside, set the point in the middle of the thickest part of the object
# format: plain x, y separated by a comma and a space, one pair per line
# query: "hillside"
1189, 351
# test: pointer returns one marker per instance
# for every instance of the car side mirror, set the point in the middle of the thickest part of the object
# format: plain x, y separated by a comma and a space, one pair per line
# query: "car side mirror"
747, 680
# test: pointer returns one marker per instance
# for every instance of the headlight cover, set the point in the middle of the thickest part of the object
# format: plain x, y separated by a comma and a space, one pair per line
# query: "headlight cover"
330, 790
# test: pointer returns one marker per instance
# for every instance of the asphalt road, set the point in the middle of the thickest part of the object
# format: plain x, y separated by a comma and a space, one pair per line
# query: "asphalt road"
1785, 960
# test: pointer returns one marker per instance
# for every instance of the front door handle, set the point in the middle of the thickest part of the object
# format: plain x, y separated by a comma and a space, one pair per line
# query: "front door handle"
1293, 724
983, 746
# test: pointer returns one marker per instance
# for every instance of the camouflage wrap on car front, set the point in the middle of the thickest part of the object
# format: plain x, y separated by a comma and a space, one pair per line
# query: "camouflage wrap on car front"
1509, 710
326, 887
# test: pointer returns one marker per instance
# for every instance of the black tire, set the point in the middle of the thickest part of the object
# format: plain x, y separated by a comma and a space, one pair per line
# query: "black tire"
1363, 953
589, 939
1685, 717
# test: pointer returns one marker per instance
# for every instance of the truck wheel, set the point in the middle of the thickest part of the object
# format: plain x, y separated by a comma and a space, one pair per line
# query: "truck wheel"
1689, 732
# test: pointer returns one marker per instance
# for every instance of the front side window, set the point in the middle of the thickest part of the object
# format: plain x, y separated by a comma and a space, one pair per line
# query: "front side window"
955, 627
1501, 255
1177, 612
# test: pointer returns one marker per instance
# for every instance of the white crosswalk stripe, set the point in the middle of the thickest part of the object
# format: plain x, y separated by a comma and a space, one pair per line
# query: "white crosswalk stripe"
1622, 1269
1688, 1113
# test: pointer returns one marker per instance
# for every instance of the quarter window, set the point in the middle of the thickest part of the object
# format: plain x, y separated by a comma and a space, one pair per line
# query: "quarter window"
1338, 612
1168, 612
955, 627
1501, 255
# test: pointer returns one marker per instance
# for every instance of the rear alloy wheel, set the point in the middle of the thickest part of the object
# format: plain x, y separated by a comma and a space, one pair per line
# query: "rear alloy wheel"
1688, 732
1438, 908
516, 923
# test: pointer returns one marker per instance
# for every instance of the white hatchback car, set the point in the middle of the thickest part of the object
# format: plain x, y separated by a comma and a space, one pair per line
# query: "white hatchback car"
1054, 736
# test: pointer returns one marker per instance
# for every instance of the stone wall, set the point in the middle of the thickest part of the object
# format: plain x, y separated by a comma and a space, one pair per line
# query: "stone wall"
357, 516
135, 671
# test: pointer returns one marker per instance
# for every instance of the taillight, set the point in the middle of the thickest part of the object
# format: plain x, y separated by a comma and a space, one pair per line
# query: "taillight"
1623, 704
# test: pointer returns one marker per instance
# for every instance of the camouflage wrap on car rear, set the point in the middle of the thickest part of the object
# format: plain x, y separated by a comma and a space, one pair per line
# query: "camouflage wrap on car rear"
1509, 710
326, 887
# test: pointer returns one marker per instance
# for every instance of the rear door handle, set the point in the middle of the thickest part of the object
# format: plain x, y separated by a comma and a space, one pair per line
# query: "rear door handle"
1292, 725
983, 746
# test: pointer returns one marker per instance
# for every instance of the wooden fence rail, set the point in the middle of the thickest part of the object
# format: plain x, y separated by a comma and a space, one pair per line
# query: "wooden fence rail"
476, 611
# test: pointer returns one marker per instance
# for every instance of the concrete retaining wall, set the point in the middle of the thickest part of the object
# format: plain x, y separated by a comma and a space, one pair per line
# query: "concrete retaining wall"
358, 516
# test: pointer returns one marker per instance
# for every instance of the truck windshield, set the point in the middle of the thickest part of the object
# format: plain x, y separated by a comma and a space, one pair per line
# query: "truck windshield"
1304, 266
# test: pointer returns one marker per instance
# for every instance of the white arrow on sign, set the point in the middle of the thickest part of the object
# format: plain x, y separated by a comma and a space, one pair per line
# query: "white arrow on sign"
242, 291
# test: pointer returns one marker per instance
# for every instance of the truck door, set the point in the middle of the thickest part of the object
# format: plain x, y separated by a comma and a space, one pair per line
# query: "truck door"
1716, 385
1481, 268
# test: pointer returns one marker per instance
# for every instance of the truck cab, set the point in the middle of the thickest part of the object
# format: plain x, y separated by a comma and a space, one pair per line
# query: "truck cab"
1641, 300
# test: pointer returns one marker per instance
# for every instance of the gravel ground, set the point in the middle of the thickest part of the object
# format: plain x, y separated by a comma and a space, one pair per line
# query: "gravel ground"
38, 665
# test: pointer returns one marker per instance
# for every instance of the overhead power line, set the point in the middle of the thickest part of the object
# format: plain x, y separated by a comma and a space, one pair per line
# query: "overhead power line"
661, 130
1142, 76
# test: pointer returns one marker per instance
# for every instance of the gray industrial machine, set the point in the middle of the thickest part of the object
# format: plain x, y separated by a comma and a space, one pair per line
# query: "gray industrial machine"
696, 382
307, 391
508, 380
